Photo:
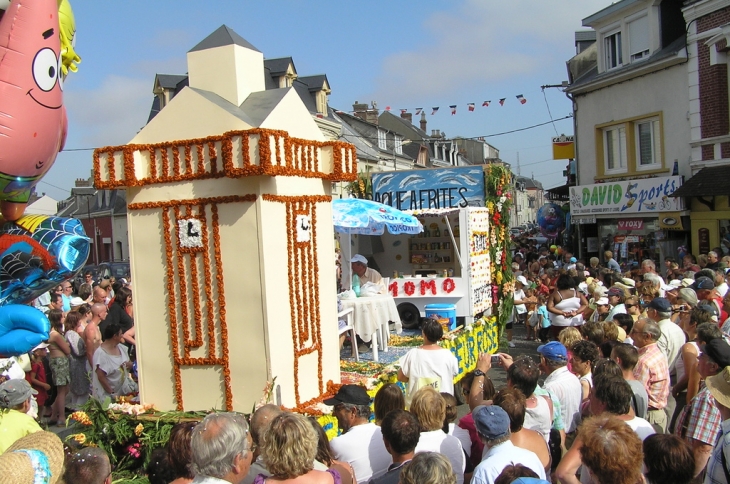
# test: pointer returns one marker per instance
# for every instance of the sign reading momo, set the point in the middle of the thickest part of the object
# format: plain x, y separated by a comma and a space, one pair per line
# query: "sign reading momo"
424, 189
629, 196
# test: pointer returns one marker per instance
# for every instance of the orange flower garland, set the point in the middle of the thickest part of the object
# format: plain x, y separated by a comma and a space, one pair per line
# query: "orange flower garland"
344, 159
304, 304
185, 360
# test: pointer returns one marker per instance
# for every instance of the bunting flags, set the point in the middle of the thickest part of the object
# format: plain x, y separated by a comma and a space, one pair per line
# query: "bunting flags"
471, 107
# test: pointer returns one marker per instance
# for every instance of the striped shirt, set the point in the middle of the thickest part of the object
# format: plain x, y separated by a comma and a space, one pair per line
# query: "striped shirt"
652, 370
700, 420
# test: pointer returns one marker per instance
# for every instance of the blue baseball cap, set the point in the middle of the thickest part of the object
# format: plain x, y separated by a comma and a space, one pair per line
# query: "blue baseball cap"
491, 421
553, 350
661, 304
529, 480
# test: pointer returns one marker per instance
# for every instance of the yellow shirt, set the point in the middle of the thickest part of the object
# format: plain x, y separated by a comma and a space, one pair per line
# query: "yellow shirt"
13, 426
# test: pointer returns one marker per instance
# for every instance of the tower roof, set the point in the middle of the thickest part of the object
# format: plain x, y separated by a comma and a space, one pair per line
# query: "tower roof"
223, 36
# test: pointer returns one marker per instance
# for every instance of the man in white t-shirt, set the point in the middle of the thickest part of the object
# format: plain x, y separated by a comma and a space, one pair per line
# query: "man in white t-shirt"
361, 444
492, 424
561, 382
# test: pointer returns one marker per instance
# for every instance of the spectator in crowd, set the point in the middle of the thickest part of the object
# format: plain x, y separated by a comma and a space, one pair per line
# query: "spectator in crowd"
429, 364
518, 474
611, 451
158, 469
688, 379
179, 453
326, 457
627, 356
260, 420
560, 382
667, 458
493, 426
585, 354
33, 459
89, 465
479, 381
110, 375
361, 443
79, 388
611, 395
616, 298
389, 398
450, 428
717, 468
428, 468
430, 410
652, 370
700, 422
59, 351
92, 333
15, 401
566, 305
611, 262
400, 435
221, 449
512, 401
289, 447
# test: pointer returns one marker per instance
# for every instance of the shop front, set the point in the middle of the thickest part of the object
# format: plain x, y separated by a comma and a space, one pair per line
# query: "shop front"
631, 218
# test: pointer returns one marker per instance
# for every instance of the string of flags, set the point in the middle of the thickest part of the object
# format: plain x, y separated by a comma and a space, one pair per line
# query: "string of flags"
469, 106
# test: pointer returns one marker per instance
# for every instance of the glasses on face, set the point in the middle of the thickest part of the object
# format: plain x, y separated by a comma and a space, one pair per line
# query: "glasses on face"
629, 305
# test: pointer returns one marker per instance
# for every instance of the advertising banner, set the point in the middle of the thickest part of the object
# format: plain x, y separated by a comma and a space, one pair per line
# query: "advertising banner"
437, 188
648, 195
563, 147
626, 224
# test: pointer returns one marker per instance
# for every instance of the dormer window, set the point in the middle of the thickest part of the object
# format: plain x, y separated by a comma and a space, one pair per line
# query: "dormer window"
398, 145
613, 50
382, 140
639, 38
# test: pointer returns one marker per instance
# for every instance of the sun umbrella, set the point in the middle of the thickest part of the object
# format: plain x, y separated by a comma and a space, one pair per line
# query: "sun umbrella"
365, 217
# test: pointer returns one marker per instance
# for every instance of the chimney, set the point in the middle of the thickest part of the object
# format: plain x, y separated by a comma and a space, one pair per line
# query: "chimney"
366, 113
407, 116
423, 121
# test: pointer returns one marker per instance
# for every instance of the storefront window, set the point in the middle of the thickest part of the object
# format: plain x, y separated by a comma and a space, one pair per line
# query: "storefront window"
630, 247
725, 237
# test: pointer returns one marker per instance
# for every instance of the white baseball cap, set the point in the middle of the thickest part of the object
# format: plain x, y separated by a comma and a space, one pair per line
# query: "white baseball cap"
359, 258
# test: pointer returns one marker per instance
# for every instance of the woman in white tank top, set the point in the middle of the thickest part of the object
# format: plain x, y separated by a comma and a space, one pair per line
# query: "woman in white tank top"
565, 305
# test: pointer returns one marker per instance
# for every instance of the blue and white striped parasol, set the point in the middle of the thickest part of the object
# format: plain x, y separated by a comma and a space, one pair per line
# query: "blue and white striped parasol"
365, 217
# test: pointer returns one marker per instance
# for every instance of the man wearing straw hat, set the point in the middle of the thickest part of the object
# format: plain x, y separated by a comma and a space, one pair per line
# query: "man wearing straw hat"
717, 467
35, 458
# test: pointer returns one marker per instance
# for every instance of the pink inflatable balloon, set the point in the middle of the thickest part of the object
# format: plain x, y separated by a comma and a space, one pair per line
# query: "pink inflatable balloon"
32, 116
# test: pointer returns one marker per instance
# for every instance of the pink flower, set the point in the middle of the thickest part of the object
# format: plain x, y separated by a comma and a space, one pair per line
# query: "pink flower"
134, 450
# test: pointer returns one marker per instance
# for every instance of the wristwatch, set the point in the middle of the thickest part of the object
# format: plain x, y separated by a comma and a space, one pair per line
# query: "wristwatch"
479, 373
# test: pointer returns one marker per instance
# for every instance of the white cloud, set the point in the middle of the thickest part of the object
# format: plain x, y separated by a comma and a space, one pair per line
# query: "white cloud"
110, 114
483, 42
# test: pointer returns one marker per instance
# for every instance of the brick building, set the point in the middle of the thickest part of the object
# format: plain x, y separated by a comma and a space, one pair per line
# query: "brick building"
706, 191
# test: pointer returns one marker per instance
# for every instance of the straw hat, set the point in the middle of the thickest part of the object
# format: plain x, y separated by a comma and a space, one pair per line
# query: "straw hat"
719, 386
32, 457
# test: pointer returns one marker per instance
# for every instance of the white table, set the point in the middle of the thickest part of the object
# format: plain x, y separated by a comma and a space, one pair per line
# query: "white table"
370, 317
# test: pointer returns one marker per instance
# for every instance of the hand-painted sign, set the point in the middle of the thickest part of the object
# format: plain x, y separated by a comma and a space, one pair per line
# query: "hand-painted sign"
424, 189
646, 195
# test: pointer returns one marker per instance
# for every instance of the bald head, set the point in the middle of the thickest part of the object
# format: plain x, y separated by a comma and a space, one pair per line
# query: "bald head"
99, 294
98, 311
261, 419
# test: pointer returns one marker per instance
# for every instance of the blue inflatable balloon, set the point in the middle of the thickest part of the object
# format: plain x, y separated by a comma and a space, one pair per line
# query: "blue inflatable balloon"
37, 252
551, 220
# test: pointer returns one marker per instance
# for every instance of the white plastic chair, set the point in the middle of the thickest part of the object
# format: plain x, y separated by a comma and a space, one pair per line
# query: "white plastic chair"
349, 327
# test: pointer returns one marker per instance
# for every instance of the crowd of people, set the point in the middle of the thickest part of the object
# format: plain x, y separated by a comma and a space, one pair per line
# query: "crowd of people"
90, 350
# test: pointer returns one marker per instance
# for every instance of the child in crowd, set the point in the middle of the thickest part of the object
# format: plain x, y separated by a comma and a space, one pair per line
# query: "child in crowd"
568, 337
37, 377
544, 318
584, 356
532, 317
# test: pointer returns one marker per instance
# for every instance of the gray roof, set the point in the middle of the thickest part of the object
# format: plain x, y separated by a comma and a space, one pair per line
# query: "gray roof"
611, 9
592, 75
585, 35
226, 105
404, 125
365, 149
223, 36
170, 81
258, 105
279, 66
315, 82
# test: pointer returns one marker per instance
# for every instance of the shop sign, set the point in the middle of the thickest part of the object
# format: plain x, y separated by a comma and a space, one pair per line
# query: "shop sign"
563, 147
703, 236
424, 189
630, 224
648, 195
671, 221
590, 219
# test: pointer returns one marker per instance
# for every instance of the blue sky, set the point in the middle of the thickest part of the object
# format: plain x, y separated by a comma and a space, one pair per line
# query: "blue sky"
404, 54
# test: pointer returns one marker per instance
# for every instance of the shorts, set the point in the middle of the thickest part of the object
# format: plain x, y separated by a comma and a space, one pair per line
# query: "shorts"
508, 325
60, 371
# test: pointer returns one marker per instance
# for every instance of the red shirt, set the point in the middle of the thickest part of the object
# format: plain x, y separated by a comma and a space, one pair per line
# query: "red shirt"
40, 375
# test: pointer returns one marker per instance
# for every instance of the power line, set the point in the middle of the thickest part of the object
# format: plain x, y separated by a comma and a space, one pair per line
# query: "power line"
549, 113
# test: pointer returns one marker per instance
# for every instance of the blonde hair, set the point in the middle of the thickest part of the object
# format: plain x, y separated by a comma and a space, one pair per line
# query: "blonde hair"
289, 446
570, 336
610, 330
429, 407
428, 468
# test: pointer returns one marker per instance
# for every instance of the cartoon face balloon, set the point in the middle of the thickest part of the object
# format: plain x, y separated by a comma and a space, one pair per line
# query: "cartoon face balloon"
34, 125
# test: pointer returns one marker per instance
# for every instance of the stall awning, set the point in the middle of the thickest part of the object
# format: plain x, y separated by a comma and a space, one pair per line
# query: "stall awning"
708, 182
